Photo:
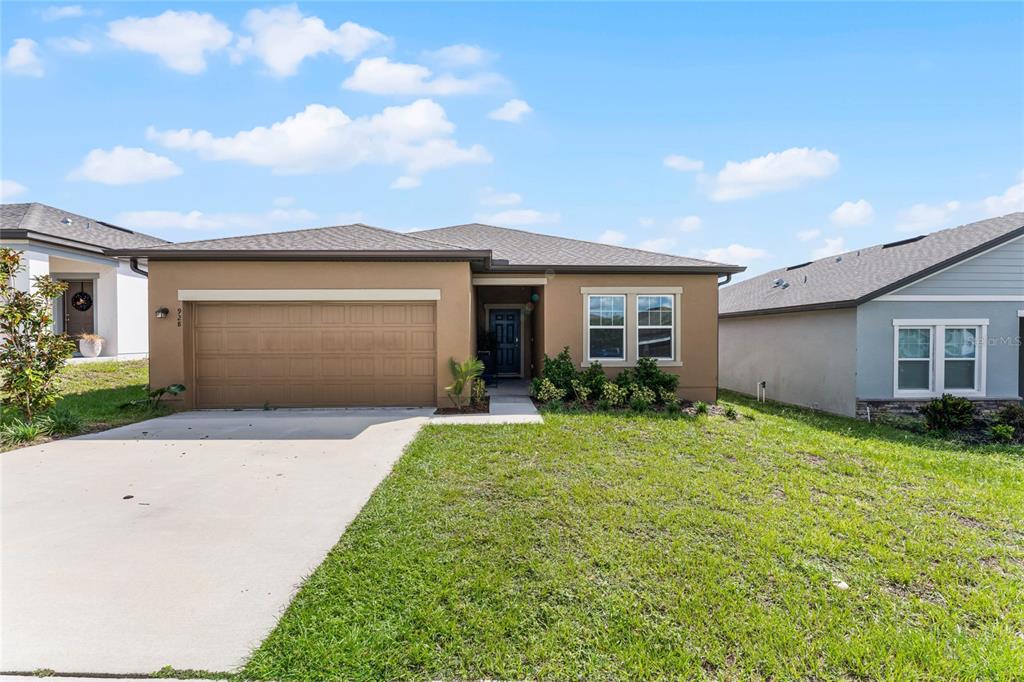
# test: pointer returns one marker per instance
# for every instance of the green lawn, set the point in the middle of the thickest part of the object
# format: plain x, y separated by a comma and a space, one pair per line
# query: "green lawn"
619, 547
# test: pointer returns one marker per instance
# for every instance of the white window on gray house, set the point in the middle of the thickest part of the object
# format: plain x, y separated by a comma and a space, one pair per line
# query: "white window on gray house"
914, 359
655, 325
939, 356
606, 327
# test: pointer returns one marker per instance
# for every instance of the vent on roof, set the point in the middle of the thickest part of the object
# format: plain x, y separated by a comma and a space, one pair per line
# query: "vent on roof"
902, 242
65, 221
800, 265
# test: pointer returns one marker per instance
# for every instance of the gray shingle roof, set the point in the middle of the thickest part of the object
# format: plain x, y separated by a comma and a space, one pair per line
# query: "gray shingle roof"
857, 276
530, 249
357, 237
47, 220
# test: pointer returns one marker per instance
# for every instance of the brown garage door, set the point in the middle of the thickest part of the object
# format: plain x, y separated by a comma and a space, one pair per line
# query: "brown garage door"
314, 354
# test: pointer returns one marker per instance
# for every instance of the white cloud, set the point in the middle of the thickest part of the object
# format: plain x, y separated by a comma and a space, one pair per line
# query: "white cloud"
1008, 202
57, 12
734, 253
520, 216
613, 237
852, 214
406, 182
682, 163
690, 223
10, 189
927, 217
23, 59
808, 235
282, 38
180, 39
830, 248
198, 220
69, 44
381, 76
415, 136
659, 244
511, 111
492, 198
455, 56
124, 166
772, 173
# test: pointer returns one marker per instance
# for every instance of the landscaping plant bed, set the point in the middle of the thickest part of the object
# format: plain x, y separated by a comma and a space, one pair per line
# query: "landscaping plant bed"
481, 407
686, 408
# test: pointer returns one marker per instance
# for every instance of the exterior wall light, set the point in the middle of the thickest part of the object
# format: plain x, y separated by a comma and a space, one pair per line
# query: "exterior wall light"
162, 312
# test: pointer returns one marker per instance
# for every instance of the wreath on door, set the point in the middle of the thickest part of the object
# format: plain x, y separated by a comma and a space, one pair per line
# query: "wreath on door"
81, 301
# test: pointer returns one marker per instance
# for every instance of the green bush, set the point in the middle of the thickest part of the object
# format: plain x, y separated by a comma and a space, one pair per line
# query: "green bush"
1001, 433
668, 398
580, 391
477, 392
641, 398
673, 408
593, 378
60, 421
948, 413
17, 432
613, 393
547, 392
700, 407
1012, 415
604, 405
560, 370
731, 412
649, 375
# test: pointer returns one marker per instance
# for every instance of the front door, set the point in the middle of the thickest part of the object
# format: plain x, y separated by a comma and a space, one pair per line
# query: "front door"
505, 325
79, 308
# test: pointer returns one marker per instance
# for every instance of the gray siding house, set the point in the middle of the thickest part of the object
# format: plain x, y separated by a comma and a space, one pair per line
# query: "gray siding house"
885, 328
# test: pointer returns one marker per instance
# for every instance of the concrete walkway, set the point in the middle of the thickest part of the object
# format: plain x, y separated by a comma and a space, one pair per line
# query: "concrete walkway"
178, 541
510, 404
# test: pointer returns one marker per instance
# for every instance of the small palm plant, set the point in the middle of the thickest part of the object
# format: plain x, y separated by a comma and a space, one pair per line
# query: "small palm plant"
463, 375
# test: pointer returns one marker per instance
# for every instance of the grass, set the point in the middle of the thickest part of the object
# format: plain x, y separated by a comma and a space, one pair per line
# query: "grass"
95, 391
631, 547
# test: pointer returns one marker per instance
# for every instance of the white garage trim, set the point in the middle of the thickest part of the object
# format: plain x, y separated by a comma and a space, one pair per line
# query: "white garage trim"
309, 294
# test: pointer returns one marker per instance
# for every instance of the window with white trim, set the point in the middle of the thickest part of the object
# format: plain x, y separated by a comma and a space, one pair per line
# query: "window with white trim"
939, 356
655, 326
606, 327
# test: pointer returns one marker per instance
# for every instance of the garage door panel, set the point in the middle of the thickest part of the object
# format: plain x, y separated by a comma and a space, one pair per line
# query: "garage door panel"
314, 354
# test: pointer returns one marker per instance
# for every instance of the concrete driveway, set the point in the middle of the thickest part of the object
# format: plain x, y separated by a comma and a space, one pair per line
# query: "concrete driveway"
178, 541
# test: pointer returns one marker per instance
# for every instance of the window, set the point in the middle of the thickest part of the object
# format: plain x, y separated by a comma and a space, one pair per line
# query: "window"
914, 360
655, 327
606, 327
939, 356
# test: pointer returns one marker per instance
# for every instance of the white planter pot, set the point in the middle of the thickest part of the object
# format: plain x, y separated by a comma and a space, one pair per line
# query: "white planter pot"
89, 349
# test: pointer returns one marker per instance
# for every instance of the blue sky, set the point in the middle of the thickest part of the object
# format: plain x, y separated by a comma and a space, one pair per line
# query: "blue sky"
764, 134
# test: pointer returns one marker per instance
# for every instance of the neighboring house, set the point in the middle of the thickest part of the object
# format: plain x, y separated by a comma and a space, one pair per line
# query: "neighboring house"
885, 328
106, 294
358, 315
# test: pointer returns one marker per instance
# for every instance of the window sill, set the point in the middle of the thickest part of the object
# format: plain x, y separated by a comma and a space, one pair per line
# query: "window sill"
626, 363
928, 395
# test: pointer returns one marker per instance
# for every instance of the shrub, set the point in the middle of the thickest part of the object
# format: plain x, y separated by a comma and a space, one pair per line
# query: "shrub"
1001, 433
604, 405
614, 394
649, 375
641, 398
60, 421
560, 370
477, 392
548, 392
463, 375
700, 407
673, 408
31, 356
731, 412
16, 432
948, 413
593, 378
580, 390
1012, 415
668, 398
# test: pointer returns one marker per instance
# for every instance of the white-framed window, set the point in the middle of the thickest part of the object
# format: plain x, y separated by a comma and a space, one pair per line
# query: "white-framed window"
933, 357
655, 326
606, 327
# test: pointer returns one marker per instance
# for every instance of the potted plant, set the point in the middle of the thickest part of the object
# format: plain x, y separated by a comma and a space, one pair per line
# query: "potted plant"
90, 345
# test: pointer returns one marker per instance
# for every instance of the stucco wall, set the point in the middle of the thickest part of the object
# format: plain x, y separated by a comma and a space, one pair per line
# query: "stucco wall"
563, 322
875, 341
806, 358
168, 340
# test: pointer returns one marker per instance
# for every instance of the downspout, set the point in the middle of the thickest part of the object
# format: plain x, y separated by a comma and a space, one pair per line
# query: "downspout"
133, 263
723, 282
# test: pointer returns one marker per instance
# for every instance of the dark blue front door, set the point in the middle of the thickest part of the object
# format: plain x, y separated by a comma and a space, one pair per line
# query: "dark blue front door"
505, 326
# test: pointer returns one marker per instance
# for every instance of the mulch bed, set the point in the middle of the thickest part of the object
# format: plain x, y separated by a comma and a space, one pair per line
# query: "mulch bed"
483, 407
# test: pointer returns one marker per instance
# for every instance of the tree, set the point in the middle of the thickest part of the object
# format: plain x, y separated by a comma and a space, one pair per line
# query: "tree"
32, 355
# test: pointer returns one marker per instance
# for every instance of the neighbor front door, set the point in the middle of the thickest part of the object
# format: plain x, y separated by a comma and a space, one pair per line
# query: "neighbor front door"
505, 325
79, 309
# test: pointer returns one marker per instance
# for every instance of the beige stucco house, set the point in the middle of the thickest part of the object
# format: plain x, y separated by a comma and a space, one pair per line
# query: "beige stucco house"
358, 315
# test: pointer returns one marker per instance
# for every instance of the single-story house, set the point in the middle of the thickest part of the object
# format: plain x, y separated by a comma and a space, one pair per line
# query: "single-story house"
885, 328
106, 294
359, 315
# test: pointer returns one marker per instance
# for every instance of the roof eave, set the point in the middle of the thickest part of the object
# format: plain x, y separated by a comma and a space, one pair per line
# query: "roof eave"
42, 238
810, 307
623, 269
291, 254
